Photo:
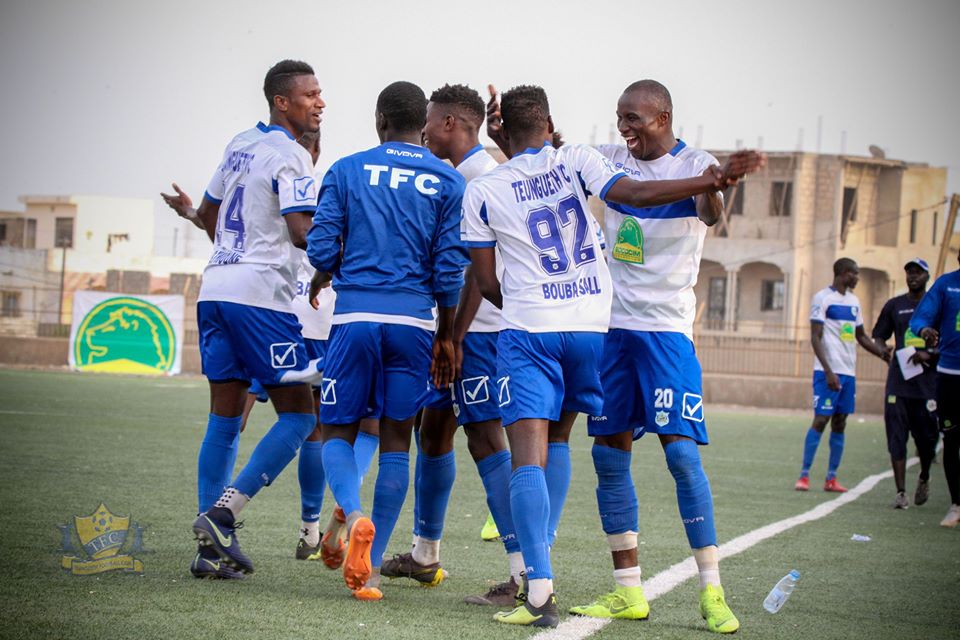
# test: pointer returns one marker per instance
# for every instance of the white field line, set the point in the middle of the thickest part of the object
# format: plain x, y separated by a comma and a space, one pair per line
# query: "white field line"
578, 628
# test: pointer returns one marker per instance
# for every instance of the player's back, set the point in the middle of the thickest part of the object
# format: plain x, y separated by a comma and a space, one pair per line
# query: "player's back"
534, 209
264, 175
655, 251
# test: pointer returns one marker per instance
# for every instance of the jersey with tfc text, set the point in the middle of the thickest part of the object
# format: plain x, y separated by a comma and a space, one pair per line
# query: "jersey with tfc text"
475, 164
654, 252
387, 227
840, 315
264, 176
534, 209
940, 310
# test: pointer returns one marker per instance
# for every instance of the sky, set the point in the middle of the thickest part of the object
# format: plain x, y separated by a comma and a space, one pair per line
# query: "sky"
121, 98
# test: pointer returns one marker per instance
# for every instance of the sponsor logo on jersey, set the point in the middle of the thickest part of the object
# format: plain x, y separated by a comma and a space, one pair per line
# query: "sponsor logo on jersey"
102, 535
629, 245
693, 407
662, 419
846, 332
910, 339
125, 335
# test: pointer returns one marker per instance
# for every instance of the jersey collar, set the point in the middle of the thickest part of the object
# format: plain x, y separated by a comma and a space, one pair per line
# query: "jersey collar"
477, 148
533, 150
677, 148
273, 127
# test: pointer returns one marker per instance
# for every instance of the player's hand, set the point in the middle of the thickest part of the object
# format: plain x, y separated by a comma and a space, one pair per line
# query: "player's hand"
741, 163
833, 381
320, 280
930, 336
720, 182
887, 354
442, 365
494, 121
923, 358
181, 203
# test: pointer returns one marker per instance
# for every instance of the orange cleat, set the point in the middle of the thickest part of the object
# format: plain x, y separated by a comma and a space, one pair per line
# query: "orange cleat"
368, 593
803, 484
332, 556
833, 486
356, 566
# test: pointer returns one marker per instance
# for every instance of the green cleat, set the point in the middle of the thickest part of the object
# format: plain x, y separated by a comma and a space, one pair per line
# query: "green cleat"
715, 611
489, 531
623, 603
526, 614
307, 552
403, 565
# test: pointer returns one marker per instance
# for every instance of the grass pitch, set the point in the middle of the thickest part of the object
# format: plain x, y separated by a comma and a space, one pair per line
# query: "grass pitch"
70, 441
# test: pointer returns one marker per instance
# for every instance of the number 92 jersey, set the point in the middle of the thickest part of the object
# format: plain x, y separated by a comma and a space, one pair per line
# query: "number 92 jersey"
264, 176
534, 208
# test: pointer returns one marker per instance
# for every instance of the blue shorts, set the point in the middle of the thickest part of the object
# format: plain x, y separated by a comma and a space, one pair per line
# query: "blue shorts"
316, 350
438, 399
541, 374
476, 397
240, 342
374, 370
827, 402
651, 384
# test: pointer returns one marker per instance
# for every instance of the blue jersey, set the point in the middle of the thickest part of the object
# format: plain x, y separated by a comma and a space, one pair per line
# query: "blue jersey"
940, 309
388, 227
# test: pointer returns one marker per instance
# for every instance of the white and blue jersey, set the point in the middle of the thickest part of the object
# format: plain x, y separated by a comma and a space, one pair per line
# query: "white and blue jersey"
840, 315
387, 227
246, 325
652, 381
940, 309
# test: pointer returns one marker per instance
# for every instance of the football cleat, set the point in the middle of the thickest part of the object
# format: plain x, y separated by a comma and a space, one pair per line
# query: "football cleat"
403, 565
623, 603
833, 486
499, 595
216, 529
207, 565
952, 518
715, 611
356, 565
332, 545
923, 492
901, 502
368, 594
489, 532
526, 614
803, 484
306, 551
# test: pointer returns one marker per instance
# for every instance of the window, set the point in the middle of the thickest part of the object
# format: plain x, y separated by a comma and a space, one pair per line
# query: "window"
30, 234
716, 302
736, 192
781, 199
913, 226
11, 304
3, 233
849, 204
771, 295
63, 233
936, 215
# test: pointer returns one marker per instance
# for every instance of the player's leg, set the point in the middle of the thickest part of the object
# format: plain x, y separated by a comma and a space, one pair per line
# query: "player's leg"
310, 473
948, 413
896, 418
366, 445
824, 405
923, 427
845, 405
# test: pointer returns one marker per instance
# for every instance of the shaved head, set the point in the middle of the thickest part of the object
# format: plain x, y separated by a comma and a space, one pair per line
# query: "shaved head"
653, 92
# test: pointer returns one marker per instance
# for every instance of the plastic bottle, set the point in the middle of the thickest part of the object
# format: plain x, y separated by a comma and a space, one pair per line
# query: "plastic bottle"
781, 591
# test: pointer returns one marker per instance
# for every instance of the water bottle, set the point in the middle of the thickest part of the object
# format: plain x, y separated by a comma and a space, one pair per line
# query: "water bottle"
779, 594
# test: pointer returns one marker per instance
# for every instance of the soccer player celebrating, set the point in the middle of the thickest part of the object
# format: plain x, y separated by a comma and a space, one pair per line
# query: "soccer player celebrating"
910, 406
387, 227
836, 324
650, 373
247, 329
556, 296
454, 116
937, 321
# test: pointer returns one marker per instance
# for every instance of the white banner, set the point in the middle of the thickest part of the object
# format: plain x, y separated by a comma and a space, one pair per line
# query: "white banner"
124, 333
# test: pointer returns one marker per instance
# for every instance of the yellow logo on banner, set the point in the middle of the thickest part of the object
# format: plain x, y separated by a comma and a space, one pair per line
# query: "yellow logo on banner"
102, 535
629, 245
125, 335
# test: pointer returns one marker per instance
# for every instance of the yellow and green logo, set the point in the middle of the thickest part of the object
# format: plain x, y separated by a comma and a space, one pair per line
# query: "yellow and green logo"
846, 332
125, 335
957, 325
910, 339
102, 535
629, 245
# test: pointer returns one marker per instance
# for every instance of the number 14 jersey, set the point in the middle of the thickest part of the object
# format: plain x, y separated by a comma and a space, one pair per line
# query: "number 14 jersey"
534, 208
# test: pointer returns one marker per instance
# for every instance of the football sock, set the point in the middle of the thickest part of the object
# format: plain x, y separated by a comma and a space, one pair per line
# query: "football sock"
836, 453
629, 577
708, 563
275, 451
218, 453
311, 477
616, 497
693, 492
427, 551
495, 474
810, 445
437, 475
417, 473
558, 482
539, 590
388, 497
517, 567
530, 502
341, 471
310, 532
232, 500
364, 448
951, 462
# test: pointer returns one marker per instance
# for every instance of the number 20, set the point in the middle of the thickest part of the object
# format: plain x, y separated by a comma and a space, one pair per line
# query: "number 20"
544, 225
663, 398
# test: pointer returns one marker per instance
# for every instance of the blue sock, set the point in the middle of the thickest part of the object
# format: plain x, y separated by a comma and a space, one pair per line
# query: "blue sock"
364, 448
495, 475
274, 452
388, 497
312, 480
436, 483
836, 453
558, 482
417, 474
693, 492
616, 497
809, 450
218, 453
530, 502
340, 467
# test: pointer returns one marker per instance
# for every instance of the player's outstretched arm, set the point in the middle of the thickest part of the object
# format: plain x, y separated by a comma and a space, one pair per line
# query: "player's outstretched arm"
710, 204
183, 205
881, 352
495, 122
